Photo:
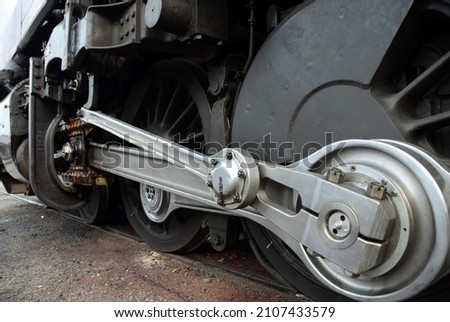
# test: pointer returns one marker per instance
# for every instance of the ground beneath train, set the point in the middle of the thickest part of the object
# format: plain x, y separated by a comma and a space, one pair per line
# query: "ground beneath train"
46, 256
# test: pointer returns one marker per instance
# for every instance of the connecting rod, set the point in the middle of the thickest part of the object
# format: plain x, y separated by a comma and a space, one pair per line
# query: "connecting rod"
232, 180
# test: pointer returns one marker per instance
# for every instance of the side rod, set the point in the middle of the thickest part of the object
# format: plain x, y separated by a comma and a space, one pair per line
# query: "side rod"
236, 183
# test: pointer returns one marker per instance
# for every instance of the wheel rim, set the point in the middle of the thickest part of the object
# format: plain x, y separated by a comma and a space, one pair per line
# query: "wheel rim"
173, 104
422, 223
152, 200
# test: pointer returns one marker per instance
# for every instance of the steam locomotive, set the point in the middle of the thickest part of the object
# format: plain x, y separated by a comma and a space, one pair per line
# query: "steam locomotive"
316, 127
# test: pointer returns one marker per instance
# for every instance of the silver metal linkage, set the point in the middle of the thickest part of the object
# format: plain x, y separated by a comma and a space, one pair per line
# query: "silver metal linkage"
232, 180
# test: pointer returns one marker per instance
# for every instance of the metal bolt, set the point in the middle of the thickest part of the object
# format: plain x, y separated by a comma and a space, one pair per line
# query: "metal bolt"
337, 225
127, 18
37, 86
37, 76
336, 175
121, 36
37, 64
133, 14
214, 87
215, 240
229, 155
73, 84
133, 29
127, 33
220, 202
209, 183
236, 197
147, 189
122, 22
384, 182
214, 161
241, 174
394, 193
68, 151
376, 190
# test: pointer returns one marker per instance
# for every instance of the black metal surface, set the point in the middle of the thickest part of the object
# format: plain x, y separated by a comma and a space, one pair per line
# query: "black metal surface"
44, 118
172, 16
313, 76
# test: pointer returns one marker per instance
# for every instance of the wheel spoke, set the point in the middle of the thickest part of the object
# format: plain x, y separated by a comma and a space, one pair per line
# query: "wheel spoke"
177, 99
148, 115
423, 83
162, 99
432, 122
183, 120
194, 138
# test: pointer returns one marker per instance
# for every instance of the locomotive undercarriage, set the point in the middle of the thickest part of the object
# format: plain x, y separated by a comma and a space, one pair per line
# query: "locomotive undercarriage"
334, 157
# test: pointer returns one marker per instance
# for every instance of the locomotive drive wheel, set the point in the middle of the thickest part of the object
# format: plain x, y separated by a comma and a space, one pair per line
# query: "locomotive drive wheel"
345, 81
103, 205
95, 210
171, 102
